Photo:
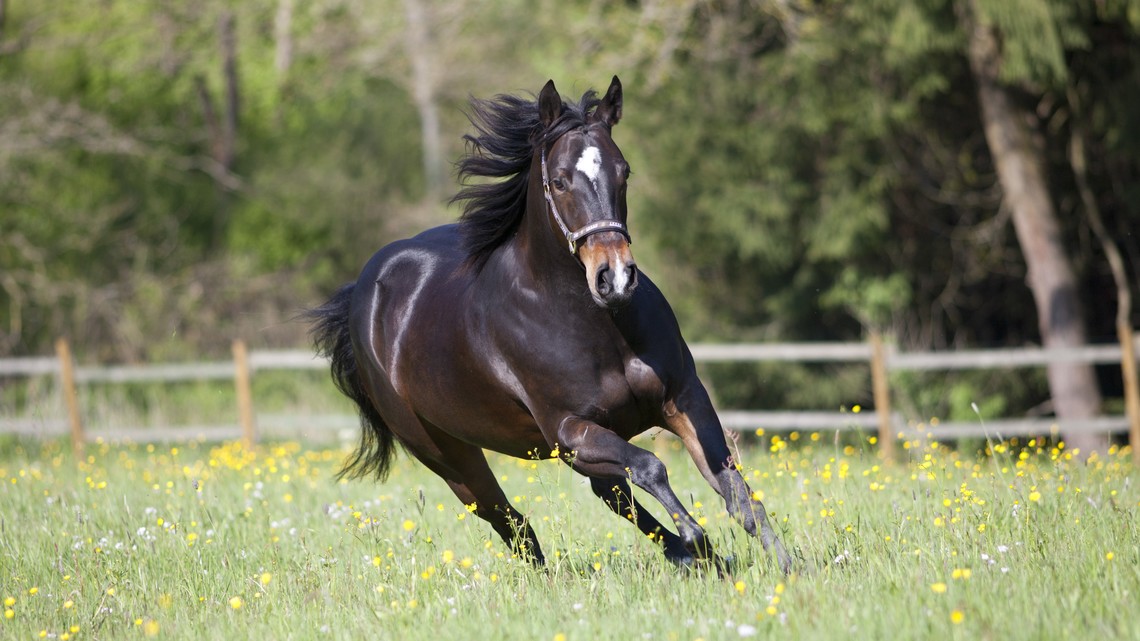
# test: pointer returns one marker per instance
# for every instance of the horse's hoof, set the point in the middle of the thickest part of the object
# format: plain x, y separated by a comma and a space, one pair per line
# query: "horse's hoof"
725, 565
786, 566
681, 558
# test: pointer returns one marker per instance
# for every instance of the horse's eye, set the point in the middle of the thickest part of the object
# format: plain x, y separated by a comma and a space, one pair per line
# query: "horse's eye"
558, 184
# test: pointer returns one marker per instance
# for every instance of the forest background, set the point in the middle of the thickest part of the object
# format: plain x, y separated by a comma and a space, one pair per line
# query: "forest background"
951, 173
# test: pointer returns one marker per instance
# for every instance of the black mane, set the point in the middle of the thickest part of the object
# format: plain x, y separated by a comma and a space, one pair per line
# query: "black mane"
507, 130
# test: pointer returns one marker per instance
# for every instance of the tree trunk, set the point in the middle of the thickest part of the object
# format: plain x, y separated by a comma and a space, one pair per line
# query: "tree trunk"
419, 51
1020, 168
229, 74
1079, 163
222, 128
283, 40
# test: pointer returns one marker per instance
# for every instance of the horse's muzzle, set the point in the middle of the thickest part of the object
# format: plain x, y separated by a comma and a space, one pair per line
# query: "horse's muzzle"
611, 272
615, 285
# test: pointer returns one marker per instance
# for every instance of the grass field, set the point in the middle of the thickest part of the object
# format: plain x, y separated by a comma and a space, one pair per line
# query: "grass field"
209, 541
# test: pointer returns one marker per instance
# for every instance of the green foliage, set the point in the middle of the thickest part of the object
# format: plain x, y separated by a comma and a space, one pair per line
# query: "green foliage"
117, 217
954, 396
791, 386
873, 300
321, 179
802, 171
1034, 36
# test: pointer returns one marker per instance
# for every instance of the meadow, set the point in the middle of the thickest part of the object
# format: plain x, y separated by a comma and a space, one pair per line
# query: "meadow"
1012, 540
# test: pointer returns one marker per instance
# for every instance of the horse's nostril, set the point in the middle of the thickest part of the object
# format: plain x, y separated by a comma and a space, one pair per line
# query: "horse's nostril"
604, 282
631, 272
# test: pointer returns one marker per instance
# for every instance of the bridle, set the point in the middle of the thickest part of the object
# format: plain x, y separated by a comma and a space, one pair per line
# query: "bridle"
572, 237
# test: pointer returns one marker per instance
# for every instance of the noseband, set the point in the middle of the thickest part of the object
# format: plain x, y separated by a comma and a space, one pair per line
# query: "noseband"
572, 237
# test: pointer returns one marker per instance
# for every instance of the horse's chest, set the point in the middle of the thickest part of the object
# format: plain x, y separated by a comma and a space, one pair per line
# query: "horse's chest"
643, 382
625, 395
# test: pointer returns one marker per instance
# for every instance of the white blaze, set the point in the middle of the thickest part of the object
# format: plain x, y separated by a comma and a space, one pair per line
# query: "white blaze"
590, 163
621, 277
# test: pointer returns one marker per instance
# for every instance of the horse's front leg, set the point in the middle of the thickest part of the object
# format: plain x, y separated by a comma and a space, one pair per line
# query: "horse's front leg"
599, 453
690, 416
616, 494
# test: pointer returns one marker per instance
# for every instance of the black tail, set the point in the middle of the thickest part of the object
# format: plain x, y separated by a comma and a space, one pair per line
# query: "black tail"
332, 340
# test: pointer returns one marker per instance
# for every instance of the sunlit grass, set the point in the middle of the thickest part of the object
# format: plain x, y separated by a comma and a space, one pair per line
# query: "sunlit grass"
200, 541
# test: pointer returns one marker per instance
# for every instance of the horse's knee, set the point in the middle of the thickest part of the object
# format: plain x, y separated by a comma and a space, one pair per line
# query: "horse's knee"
650, 472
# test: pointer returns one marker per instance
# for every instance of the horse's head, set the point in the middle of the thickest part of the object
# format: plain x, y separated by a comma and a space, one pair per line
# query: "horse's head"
584, 178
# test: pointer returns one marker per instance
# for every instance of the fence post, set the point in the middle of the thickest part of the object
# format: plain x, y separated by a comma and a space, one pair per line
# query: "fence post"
70, 398
1131, 387
244, 393
882, 394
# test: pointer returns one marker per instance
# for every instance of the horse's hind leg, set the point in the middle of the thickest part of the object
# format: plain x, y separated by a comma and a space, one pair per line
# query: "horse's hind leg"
463, 466
692, 418
492, 506
467, 473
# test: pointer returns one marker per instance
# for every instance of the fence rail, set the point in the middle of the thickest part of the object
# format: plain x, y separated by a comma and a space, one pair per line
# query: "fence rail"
881, 358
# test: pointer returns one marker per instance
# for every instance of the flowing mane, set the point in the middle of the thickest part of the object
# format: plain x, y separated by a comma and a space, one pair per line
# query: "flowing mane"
507, 130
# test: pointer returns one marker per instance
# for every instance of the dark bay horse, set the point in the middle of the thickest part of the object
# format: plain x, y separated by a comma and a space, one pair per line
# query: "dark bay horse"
526, 328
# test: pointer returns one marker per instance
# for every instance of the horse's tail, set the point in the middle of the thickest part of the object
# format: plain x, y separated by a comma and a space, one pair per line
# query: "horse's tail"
331, 337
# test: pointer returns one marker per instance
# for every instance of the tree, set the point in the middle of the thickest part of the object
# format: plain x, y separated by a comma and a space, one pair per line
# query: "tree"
818, 164
1018, 156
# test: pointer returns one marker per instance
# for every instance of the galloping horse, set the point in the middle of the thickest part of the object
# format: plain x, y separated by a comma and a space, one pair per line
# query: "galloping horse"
526, 328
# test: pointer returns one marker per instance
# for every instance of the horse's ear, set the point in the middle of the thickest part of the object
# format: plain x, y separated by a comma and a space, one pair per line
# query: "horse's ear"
549, 104
609, 110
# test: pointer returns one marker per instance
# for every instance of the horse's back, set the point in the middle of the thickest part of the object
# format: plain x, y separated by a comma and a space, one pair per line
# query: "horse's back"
427, 251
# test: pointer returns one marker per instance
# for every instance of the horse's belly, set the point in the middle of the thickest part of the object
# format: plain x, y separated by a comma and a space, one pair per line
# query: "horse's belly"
486, 419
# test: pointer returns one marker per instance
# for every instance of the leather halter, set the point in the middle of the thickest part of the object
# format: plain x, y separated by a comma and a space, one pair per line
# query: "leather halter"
572, 237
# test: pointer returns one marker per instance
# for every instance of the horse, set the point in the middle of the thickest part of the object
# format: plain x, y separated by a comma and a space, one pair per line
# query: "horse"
526, 328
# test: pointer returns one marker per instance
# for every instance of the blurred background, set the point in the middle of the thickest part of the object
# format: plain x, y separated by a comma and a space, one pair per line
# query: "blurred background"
950, 173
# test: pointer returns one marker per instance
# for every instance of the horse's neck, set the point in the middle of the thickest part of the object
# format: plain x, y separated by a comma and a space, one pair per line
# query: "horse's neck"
541, 253
539, 280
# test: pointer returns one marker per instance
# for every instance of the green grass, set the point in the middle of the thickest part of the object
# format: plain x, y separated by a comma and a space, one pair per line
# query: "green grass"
139, 540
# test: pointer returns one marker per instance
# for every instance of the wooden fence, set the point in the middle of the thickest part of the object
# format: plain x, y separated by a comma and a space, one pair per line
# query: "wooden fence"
881, 358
